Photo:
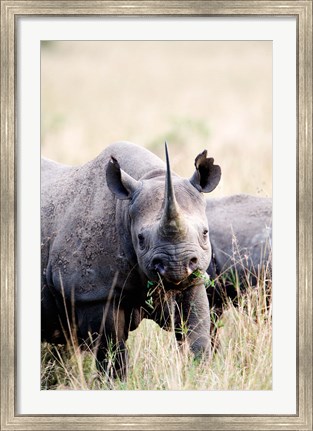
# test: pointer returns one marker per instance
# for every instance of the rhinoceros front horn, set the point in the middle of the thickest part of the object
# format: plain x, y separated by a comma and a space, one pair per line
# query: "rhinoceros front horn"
171, 221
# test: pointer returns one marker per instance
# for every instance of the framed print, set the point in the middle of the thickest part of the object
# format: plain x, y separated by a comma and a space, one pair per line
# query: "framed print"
235, 77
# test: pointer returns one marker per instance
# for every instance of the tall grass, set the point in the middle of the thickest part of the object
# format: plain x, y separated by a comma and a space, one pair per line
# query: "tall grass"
241, 360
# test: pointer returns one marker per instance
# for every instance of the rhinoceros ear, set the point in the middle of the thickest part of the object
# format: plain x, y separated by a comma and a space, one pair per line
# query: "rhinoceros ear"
120, 183
207, 175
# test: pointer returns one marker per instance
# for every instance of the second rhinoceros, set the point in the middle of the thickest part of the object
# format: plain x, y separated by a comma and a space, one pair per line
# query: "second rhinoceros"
241, 241
122, 240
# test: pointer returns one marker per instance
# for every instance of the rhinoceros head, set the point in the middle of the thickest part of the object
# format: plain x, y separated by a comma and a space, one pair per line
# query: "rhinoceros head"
167, 218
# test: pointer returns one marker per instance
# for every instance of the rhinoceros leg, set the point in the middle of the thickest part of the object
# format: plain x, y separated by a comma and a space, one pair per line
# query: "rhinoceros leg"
52, 316
108, 331
192, 320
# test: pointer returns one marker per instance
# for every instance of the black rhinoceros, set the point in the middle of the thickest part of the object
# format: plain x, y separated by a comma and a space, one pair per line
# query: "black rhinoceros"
241, 240
124, 239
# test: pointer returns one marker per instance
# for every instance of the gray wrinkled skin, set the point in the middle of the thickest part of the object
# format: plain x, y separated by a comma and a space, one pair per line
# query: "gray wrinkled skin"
106, 231
241, 239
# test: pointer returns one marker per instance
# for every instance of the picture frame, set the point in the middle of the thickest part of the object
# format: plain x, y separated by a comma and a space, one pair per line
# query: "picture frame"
10, 10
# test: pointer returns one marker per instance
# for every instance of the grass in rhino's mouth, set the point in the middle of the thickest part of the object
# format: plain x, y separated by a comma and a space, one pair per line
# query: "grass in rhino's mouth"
204, 277
152, 286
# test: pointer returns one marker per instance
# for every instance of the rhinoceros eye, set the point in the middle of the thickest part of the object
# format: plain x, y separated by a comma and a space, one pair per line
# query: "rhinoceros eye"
205, 233
141, 240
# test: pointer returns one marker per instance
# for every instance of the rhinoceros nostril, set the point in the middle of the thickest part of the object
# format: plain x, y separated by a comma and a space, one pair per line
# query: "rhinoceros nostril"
158, 265
193, 264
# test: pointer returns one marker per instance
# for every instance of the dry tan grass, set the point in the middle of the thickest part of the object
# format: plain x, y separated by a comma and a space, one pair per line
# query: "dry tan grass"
241, 354
242, 359
195, 95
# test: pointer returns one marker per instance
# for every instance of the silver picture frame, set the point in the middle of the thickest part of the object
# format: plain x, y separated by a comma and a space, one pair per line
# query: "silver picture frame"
10, 11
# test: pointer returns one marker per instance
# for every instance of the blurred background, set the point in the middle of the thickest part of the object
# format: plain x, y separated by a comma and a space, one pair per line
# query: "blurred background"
194, 94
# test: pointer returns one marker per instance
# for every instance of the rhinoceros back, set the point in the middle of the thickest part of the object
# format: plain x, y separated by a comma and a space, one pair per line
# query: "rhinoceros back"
240, 228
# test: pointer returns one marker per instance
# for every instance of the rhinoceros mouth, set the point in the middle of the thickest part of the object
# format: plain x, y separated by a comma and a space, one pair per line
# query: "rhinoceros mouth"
197, 278
171, 283
188, 282
176, 278
171, 276
174, 281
